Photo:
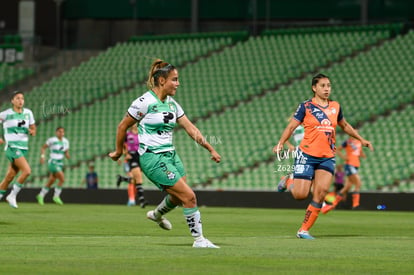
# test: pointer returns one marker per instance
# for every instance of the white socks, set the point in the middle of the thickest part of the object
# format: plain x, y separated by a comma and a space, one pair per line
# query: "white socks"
193, 218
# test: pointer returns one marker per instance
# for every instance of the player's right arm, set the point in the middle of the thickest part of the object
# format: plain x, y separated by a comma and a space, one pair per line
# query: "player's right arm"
135, 113
287, 133
2, 118
123, 126
294, 122
42, 153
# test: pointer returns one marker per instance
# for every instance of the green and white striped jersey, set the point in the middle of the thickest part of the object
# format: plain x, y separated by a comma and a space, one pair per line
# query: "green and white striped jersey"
57, 148
16, 128
157, 120
298, 134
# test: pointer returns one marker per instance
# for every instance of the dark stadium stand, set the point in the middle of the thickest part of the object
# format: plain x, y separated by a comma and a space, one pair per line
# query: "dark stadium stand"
240, 92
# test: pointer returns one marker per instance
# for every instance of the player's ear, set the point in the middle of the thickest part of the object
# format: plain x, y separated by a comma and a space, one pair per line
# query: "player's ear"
161, 81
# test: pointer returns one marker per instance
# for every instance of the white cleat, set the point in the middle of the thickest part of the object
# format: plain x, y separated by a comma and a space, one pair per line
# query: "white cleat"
204, 243
162, 222
12, 201
303, 234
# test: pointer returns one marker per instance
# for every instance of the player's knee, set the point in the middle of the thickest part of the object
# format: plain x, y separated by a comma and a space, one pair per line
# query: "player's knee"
299, 195
190, 200
27, 172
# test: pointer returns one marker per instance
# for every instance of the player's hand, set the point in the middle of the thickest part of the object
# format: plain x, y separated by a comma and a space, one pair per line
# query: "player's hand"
215, 156
42, 160
1, 141
278, 148
368, 144
115, 155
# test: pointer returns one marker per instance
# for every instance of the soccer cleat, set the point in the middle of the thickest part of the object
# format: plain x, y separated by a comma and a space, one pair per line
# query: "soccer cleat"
57, 200
162, 222
118, 180
40, 200
302, 234
12, 201
281, 186
204, 243
327, 208
131, 203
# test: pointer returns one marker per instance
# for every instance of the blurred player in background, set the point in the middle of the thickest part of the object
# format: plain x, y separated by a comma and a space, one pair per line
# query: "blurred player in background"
18, 124
158, 113
338, 185
339, 178
297, 136
133, 168
353, 150
58, 150
315, 161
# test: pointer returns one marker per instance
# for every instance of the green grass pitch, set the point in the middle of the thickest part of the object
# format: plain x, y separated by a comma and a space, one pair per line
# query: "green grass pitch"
115, 239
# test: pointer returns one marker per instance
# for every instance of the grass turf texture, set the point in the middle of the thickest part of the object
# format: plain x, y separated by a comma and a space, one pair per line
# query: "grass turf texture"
107, 239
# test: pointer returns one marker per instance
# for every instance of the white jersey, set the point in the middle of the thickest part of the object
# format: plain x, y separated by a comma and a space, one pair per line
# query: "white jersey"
157, 120
57, 147
16, 128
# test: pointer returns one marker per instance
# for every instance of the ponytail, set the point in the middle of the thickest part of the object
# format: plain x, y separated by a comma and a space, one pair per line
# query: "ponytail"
158, 69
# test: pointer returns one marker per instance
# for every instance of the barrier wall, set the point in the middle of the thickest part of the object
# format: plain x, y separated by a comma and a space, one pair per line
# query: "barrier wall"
369, 201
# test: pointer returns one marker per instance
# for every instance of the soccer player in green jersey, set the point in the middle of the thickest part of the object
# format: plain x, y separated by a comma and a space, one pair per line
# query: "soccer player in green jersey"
157, 113
18, 124
58, 150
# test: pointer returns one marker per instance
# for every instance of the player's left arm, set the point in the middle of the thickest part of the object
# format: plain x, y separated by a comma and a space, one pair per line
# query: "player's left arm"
32, 129
67, 155
353, 133
196, 135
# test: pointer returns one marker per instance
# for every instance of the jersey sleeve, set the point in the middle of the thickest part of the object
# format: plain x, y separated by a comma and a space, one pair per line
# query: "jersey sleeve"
31, 118
138, 108
340, 115
300, 113
67, 145
179, 112
2, 116
48, 142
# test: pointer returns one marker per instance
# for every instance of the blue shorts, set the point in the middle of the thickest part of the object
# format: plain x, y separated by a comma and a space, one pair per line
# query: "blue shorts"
305, 165
350, 170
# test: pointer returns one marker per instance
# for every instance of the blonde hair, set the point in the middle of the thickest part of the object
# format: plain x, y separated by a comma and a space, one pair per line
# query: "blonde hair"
159, 68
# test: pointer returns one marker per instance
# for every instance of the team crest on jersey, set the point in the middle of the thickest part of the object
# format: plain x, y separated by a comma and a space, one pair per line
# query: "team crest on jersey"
170, 175
325, 122
172, 106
